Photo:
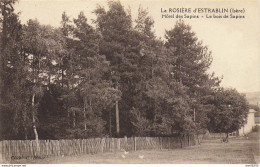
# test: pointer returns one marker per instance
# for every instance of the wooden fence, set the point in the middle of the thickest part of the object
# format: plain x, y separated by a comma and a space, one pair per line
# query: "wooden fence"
220, 135
25, 149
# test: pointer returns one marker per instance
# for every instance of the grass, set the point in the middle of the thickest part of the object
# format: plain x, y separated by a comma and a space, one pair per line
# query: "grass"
238, 151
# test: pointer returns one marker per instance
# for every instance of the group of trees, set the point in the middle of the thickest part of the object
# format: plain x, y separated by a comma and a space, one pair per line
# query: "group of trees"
112, 79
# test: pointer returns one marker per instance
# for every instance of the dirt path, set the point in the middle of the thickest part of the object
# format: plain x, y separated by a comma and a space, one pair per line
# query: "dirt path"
237, 151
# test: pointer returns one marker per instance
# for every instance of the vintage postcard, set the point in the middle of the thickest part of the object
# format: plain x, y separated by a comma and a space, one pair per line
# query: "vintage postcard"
129, 82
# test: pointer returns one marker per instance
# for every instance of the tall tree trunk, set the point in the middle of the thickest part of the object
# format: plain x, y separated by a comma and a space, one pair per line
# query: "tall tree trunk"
34, 120
67, 106
117, 116
68, 117
194, 115
25, 133
34, 125
3, 54
35, 79
152, 68
109, 123
25, 126
49, 84
74, 118
62, 78
180, 74
62, 72
84, 115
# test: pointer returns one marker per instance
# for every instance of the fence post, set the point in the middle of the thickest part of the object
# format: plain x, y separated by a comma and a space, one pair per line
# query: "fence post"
160, 140
181, 138
1, 152
111, 140
125, 144
102, 144
135, 143
168, 143
118, 143
112, 145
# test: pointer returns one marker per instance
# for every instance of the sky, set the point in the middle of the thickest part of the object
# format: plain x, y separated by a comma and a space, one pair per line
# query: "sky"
235, 43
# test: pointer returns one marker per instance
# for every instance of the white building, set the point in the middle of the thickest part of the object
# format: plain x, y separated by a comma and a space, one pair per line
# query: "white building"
247, 128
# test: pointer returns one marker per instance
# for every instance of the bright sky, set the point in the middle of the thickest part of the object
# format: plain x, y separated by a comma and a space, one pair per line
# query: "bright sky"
235, 43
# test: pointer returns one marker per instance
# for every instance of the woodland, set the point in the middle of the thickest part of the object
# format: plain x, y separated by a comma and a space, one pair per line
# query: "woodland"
110, 77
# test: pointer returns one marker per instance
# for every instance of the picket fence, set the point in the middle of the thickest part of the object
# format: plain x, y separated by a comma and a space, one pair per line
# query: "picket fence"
26, 149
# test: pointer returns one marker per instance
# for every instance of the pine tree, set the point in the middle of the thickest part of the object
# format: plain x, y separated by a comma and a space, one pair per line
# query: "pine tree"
90, 87
42, 46
191, 60
119, 45
14, 112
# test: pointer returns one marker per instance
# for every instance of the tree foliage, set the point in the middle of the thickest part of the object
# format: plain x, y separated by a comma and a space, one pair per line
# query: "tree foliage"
230, 111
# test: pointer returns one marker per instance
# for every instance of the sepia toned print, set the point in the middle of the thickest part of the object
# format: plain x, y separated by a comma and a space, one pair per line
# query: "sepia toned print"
129, 82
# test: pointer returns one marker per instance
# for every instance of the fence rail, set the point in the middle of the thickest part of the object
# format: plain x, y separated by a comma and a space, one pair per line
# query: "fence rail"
26, 149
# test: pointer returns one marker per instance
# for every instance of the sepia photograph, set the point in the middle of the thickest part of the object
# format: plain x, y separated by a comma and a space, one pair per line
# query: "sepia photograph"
129, 82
